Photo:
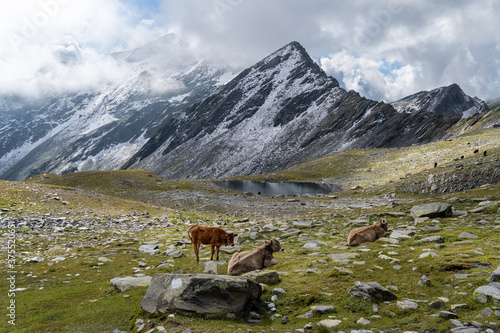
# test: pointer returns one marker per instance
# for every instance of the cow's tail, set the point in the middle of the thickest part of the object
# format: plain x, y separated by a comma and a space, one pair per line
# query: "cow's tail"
189, 233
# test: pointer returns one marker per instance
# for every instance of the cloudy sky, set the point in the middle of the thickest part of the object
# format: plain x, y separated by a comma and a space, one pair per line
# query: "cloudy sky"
383, 49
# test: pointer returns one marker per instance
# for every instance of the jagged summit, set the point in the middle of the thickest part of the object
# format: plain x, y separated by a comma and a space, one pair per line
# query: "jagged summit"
282, 111
449, 100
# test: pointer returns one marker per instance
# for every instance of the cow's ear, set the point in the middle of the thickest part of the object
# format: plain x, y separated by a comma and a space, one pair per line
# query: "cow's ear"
383, 221
235, 235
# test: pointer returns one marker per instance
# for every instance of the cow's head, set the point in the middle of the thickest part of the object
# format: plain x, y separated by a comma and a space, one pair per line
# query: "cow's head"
274, 245
229, 238
382, 223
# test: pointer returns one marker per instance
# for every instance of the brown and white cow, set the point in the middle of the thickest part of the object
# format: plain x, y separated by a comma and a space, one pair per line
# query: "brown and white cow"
368, 234
214, 236
259, 258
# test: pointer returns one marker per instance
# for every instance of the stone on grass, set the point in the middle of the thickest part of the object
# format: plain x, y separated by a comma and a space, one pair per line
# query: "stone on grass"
329, 323
424, 281
401, 234
495, 277
489, 293
371, 291
448, 315
174, 253
466, 235
322, 309
266, 277
149, 249
431, 239
205, 294
431, 210
210, 267
337, 257
407, 305
129, 282
485, 313
436, 305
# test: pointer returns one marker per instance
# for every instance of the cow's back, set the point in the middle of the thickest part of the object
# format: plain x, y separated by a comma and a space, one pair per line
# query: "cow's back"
246, 261
207, 235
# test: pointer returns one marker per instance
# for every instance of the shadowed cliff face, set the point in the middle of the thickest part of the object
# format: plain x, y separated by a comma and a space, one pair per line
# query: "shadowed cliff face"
283, 111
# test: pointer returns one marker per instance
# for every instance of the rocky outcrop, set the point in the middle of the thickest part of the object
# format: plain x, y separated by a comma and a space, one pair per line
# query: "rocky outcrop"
431, 210
204, 294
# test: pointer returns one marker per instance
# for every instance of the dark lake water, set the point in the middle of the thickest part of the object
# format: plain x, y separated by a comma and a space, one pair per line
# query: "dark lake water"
266, 188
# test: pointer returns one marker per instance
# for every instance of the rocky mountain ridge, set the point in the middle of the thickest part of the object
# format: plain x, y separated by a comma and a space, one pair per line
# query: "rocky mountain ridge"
100, 129
173, 115
285, 110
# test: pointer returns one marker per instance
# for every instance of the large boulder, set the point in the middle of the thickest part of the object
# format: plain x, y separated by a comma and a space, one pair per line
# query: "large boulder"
432, 210
489, 293
372, 292
205, 294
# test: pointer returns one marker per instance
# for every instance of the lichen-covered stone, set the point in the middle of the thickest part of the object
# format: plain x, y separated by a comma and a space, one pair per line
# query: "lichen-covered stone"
205, 294
432, 210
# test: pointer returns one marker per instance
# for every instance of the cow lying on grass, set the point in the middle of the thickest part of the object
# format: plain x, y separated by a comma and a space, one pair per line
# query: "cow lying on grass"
214, 236
259, 258
368, 234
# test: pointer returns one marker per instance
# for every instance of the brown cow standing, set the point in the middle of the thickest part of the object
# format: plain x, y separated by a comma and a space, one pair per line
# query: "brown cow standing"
261, 257
214, 236
368, 234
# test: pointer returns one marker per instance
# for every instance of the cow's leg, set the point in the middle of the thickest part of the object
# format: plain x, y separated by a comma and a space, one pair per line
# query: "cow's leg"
196, 248
217, 247
212, 251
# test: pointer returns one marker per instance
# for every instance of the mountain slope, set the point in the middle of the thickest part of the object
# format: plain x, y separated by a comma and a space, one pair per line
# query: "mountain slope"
280, 112
103, 128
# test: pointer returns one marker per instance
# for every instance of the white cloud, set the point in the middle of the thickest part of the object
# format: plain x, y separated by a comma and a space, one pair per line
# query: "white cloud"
433, 43
58, 45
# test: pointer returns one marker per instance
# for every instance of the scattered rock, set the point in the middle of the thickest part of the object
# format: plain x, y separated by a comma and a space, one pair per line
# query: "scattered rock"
35, 259
371, 291
211, 267
363, 321
431, 239
329, 323
191, 293
129, 282
436, 305
279, 291
401, 235
104, 259
343, 256
149, 249
322, 309
495, 276
485, 313
448, 315
407, 305
285, 320
266, 277
424, 281
174, 253
466, 235
431, 210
